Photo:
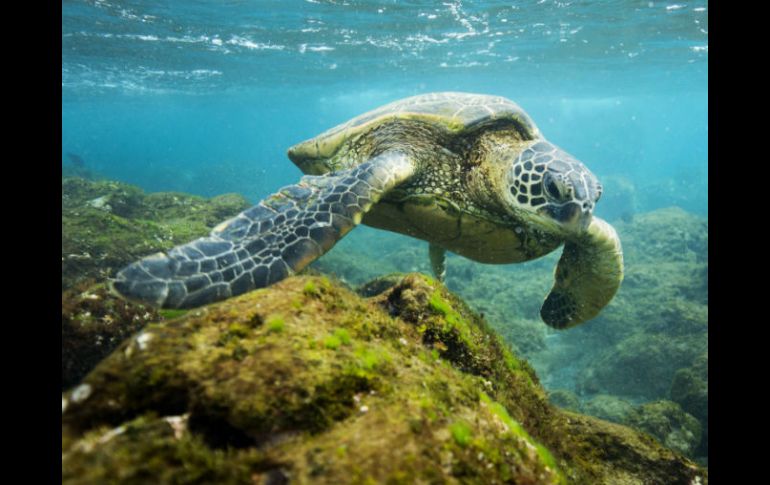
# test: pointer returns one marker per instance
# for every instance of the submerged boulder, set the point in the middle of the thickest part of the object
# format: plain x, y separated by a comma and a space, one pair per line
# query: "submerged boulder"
690, 390
641, 366
93, 323
307, 382
565, 399
610, 408
666, 421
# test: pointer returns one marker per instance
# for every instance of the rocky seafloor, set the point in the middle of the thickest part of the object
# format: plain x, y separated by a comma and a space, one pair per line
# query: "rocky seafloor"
311, 382
650, 344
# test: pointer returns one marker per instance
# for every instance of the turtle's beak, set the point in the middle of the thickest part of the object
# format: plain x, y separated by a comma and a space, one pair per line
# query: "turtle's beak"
572, 216
584, 221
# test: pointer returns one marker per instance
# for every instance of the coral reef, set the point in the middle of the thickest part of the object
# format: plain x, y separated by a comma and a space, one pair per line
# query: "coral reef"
307, 381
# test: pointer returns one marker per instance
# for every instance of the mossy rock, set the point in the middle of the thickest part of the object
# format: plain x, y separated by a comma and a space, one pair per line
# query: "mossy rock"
666, 421
607, 407
93, 323
380, 284
106, 224
669, 234
415, 388
690, 390
565, 399
640, 366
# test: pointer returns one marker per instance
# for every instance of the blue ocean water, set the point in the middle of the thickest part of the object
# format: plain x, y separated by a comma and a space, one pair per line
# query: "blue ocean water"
205, 97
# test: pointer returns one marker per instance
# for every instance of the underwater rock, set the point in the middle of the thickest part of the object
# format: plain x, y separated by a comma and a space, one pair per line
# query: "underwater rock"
380, 285
690, 390
510, 297
564, 399
93, 323
609, 408
308, 382
106, 225
670, 234
640, 366
666, 421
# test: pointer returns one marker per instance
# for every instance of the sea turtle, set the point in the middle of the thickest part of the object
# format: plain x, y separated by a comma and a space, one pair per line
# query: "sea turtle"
469, 173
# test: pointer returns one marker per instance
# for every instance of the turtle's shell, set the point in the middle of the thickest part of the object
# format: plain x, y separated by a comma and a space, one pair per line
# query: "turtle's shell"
456, 112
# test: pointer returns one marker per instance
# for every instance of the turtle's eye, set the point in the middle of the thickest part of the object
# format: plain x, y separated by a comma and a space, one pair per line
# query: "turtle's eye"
554, 189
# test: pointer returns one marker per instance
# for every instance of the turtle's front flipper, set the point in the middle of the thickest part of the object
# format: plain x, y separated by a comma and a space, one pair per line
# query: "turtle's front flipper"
588, 275
266, 243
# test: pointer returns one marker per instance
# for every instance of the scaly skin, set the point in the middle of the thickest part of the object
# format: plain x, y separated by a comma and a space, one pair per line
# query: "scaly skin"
266, 243
588, 275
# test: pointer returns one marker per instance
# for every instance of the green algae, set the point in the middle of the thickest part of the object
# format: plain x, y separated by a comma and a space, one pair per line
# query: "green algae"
369, 359
171, 313
461, 433
373, 410
332, 342
343, 335
516, 428
275, 324
310, 289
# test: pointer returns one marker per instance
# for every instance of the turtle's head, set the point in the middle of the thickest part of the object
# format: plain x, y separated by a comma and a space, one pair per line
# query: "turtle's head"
551, 186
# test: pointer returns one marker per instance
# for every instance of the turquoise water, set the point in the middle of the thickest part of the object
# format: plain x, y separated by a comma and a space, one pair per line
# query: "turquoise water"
206, 97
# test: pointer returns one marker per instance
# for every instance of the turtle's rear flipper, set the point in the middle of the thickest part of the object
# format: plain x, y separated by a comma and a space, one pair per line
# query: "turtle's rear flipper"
588, 275
266, 243
437, 261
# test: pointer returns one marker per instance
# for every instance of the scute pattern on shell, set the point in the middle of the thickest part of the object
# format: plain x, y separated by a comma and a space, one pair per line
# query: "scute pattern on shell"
457, 111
